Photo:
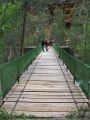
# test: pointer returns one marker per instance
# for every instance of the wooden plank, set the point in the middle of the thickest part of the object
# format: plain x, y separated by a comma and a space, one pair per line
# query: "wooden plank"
48, 67
81, 100
44, 114
47, 71
82, 105
47, 100
39, 82
11, 99
80, 96
45, 89
51, 95
64, 86
12, 95
47, 78
45, 107
36, 96
9, 106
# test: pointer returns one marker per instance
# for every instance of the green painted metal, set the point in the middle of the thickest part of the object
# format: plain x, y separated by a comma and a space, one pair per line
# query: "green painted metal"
78, 69
1, 94
1, 52
10, 72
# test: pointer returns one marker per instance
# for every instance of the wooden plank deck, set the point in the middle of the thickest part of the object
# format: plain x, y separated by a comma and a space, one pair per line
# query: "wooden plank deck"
46, 89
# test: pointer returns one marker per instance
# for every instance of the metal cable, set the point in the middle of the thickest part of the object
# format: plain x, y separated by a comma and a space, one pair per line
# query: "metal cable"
68, 85
24, 87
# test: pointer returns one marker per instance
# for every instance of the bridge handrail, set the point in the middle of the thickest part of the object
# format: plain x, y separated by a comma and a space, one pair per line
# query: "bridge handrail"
10, 72
79, 70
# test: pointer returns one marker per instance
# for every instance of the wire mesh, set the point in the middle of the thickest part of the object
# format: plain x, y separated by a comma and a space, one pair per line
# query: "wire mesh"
10, 72
78, 69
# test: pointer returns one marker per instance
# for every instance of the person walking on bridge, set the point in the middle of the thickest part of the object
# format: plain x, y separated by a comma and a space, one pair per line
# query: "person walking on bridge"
46, 44
43, 44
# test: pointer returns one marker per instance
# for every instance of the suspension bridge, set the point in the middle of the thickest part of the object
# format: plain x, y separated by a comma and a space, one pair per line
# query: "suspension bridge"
46, 88
52, 83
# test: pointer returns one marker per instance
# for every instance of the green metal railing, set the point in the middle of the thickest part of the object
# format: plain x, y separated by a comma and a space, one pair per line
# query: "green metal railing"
10, 72
78, 69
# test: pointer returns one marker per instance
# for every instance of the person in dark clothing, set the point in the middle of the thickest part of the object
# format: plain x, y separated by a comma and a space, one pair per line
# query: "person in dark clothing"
42, 44
50, 43
46, 44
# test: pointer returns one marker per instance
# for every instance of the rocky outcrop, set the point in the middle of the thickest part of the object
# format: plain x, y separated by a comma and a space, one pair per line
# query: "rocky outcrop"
67, 6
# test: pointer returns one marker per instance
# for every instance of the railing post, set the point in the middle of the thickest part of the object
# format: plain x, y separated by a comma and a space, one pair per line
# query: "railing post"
74, 72
89, 92
59, 50
18, 70
1, 100
0, 94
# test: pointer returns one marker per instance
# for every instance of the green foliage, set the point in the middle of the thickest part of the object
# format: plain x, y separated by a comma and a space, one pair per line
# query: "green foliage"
11, 21
81, 114
58, 26
1, 52
33, 32
38, 19
4, 115
79, 33
10, 31
41, 5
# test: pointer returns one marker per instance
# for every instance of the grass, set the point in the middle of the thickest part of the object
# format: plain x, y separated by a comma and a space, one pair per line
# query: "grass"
5, 115
82, 114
